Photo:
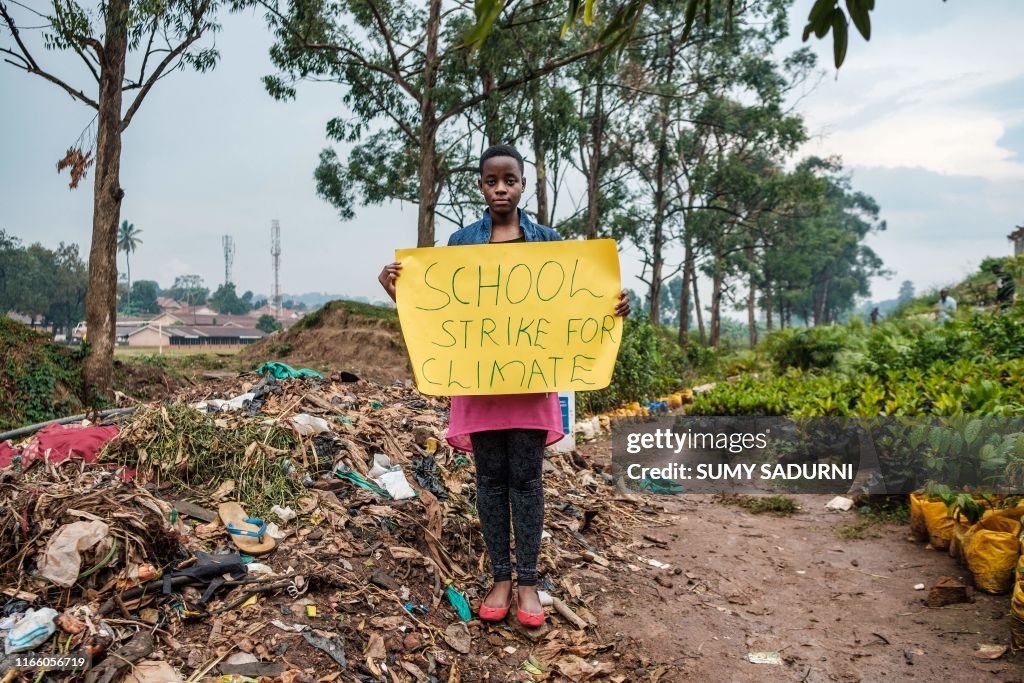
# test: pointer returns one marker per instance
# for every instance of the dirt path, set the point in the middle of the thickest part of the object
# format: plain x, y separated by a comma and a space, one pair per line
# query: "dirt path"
834, 609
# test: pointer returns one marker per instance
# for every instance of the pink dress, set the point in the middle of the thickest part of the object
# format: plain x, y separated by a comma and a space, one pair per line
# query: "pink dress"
471, 414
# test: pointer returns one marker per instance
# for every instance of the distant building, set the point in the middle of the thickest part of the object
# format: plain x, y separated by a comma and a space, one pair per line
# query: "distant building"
192, 335
1017, 237
168, 304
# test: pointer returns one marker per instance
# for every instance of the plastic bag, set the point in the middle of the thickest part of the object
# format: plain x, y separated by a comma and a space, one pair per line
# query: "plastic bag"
62, 560
992, 552
35, 628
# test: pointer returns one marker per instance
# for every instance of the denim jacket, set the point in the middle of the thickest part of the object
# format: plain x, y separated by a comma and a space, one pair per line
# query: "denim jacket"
480, 232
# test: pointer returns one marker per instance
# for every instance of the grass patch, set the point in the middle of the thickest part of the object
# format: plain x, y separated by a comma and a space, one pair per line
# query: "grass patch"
782, 505
178, 445
355, 308
875, 513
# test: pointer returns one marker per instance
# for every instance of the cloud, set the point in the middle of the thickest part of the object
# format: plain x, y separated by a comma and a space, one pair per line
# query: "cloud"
924, 96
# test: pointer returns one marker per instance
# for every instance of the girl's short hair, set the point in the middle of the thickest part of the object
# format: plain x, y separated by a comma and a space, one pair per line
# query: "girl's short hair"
502, 151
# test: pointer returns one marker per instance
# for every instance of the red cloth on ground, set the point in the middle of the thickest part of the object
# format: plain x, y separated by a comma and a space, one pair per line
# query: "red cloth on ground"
57, 443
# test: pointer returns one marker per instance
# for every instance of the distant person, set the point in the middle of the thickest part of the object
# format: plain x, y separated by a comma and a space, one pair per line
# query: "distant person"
946, 307
875, 315
1006, 289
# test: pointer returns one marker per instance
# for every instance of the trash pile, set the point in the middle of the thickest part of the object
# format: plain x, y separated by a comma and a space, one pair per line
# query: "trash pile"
300, 529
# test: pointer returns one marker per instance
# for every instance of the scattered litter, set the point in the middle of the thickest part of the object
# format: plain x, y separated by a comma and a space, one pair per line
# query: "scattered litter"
545, 598
395, 483
654, 563
459, 602
841, 503
226, 405
457, 635
764, 658
308, 425
34, 629
285, 371
919, 586
62, 561
333, 646
285, 514
296, 628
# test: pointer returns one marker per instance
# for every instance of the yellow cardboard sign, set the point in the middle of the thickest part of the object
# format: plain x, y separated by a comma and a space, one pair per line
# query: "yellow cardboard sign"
512, 319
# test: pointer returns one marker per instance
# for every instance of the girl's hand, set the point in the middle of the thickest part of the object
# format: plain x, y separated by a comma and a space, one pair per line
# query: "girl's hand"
622, 308
388, 276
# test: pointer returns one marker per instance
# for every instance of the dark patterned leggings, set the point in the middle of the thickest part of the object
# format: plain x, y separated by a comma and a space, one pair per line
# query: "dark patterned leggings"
509, 463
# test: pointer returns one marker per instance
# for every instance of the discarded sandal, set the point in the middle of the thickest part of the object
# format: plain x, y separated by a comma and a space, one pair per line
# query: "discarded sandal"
249, 534
494, 613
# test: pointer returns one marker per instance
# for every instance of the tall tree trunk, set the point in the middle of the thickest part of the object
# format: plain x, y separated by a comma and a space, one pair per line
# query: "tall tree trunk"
428, 182
820, 297
490, 106
684, 292
657, 244
767, 294
752, 311
101, 299
716, 307
594, 177
540, 153
697, 311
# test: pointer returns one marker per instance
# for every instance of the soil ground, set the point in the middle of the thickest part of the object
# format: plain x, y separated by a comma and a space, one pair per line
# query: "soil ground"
343, 335
834, 609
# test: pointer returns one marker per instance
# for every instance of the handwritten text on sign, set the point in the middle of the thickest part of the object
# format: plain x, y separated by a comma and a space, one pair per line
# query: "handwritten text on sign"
512, 318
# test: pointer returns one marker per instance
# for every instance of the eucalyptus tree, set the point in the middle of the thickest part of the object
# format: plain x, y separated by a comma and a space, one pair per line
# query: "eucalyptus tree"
414, 94
125, 47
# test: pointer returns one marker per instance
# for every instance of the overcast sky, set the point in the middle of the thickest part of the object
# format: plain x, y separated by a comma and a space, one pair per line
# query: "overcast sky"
929, 117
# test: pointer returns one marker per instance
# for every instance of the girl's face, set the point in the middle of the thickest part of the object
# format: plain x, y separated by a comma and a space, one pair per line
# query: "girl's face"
502, 185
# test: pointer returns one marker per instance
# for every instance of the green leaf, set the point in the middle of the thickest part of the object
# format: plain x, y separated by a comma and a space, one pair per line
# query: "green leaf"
588, 12
840, 36
487, 12
972, 431
860, 16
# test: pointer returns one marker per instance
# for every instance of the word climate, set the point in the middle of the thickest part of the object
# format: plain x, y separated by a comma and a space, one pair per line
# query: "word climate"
524, 318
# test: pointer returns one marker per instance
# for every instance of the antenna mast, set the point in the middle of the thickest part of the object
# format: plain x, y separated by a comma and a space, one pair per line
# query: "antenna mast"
229, 257
275, 252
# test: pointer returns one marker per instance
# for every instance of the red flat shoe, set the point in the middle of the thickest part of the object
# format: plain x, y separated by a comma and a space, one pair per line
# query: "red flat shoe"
494, 613
530, 619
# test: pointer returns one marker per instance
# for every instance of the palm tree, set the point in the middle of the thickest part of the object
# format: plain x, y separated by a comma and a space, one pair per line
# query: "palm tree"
127, 240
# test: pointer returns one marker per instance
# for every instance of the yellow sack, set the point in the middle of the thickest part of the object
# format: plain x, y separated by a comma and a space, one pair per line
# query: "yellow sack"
992, 553
938, 522
1017, 609
918, 527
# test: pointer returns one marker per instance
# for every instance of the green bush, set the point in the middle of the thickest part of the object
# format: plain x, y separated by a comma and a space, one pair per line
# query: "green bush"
650, 363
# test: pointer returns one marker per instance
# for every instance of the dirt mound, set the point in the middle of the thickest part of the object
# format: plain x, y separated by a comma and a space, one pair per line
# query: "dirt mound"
343, 335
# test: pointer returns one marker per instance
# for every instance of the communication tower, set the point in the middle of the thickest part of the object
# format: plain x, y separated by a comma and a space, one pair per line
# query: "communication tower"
275, 252
229, 257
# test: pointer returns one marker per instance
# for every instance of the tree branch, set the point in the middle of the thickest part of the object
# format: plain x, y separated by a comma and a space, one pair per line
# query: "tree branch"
193, 34
516, 82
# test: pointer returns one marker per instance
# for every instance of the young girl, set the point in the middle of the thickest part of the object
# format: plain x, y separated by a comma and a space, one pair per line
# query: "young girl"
506, 434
